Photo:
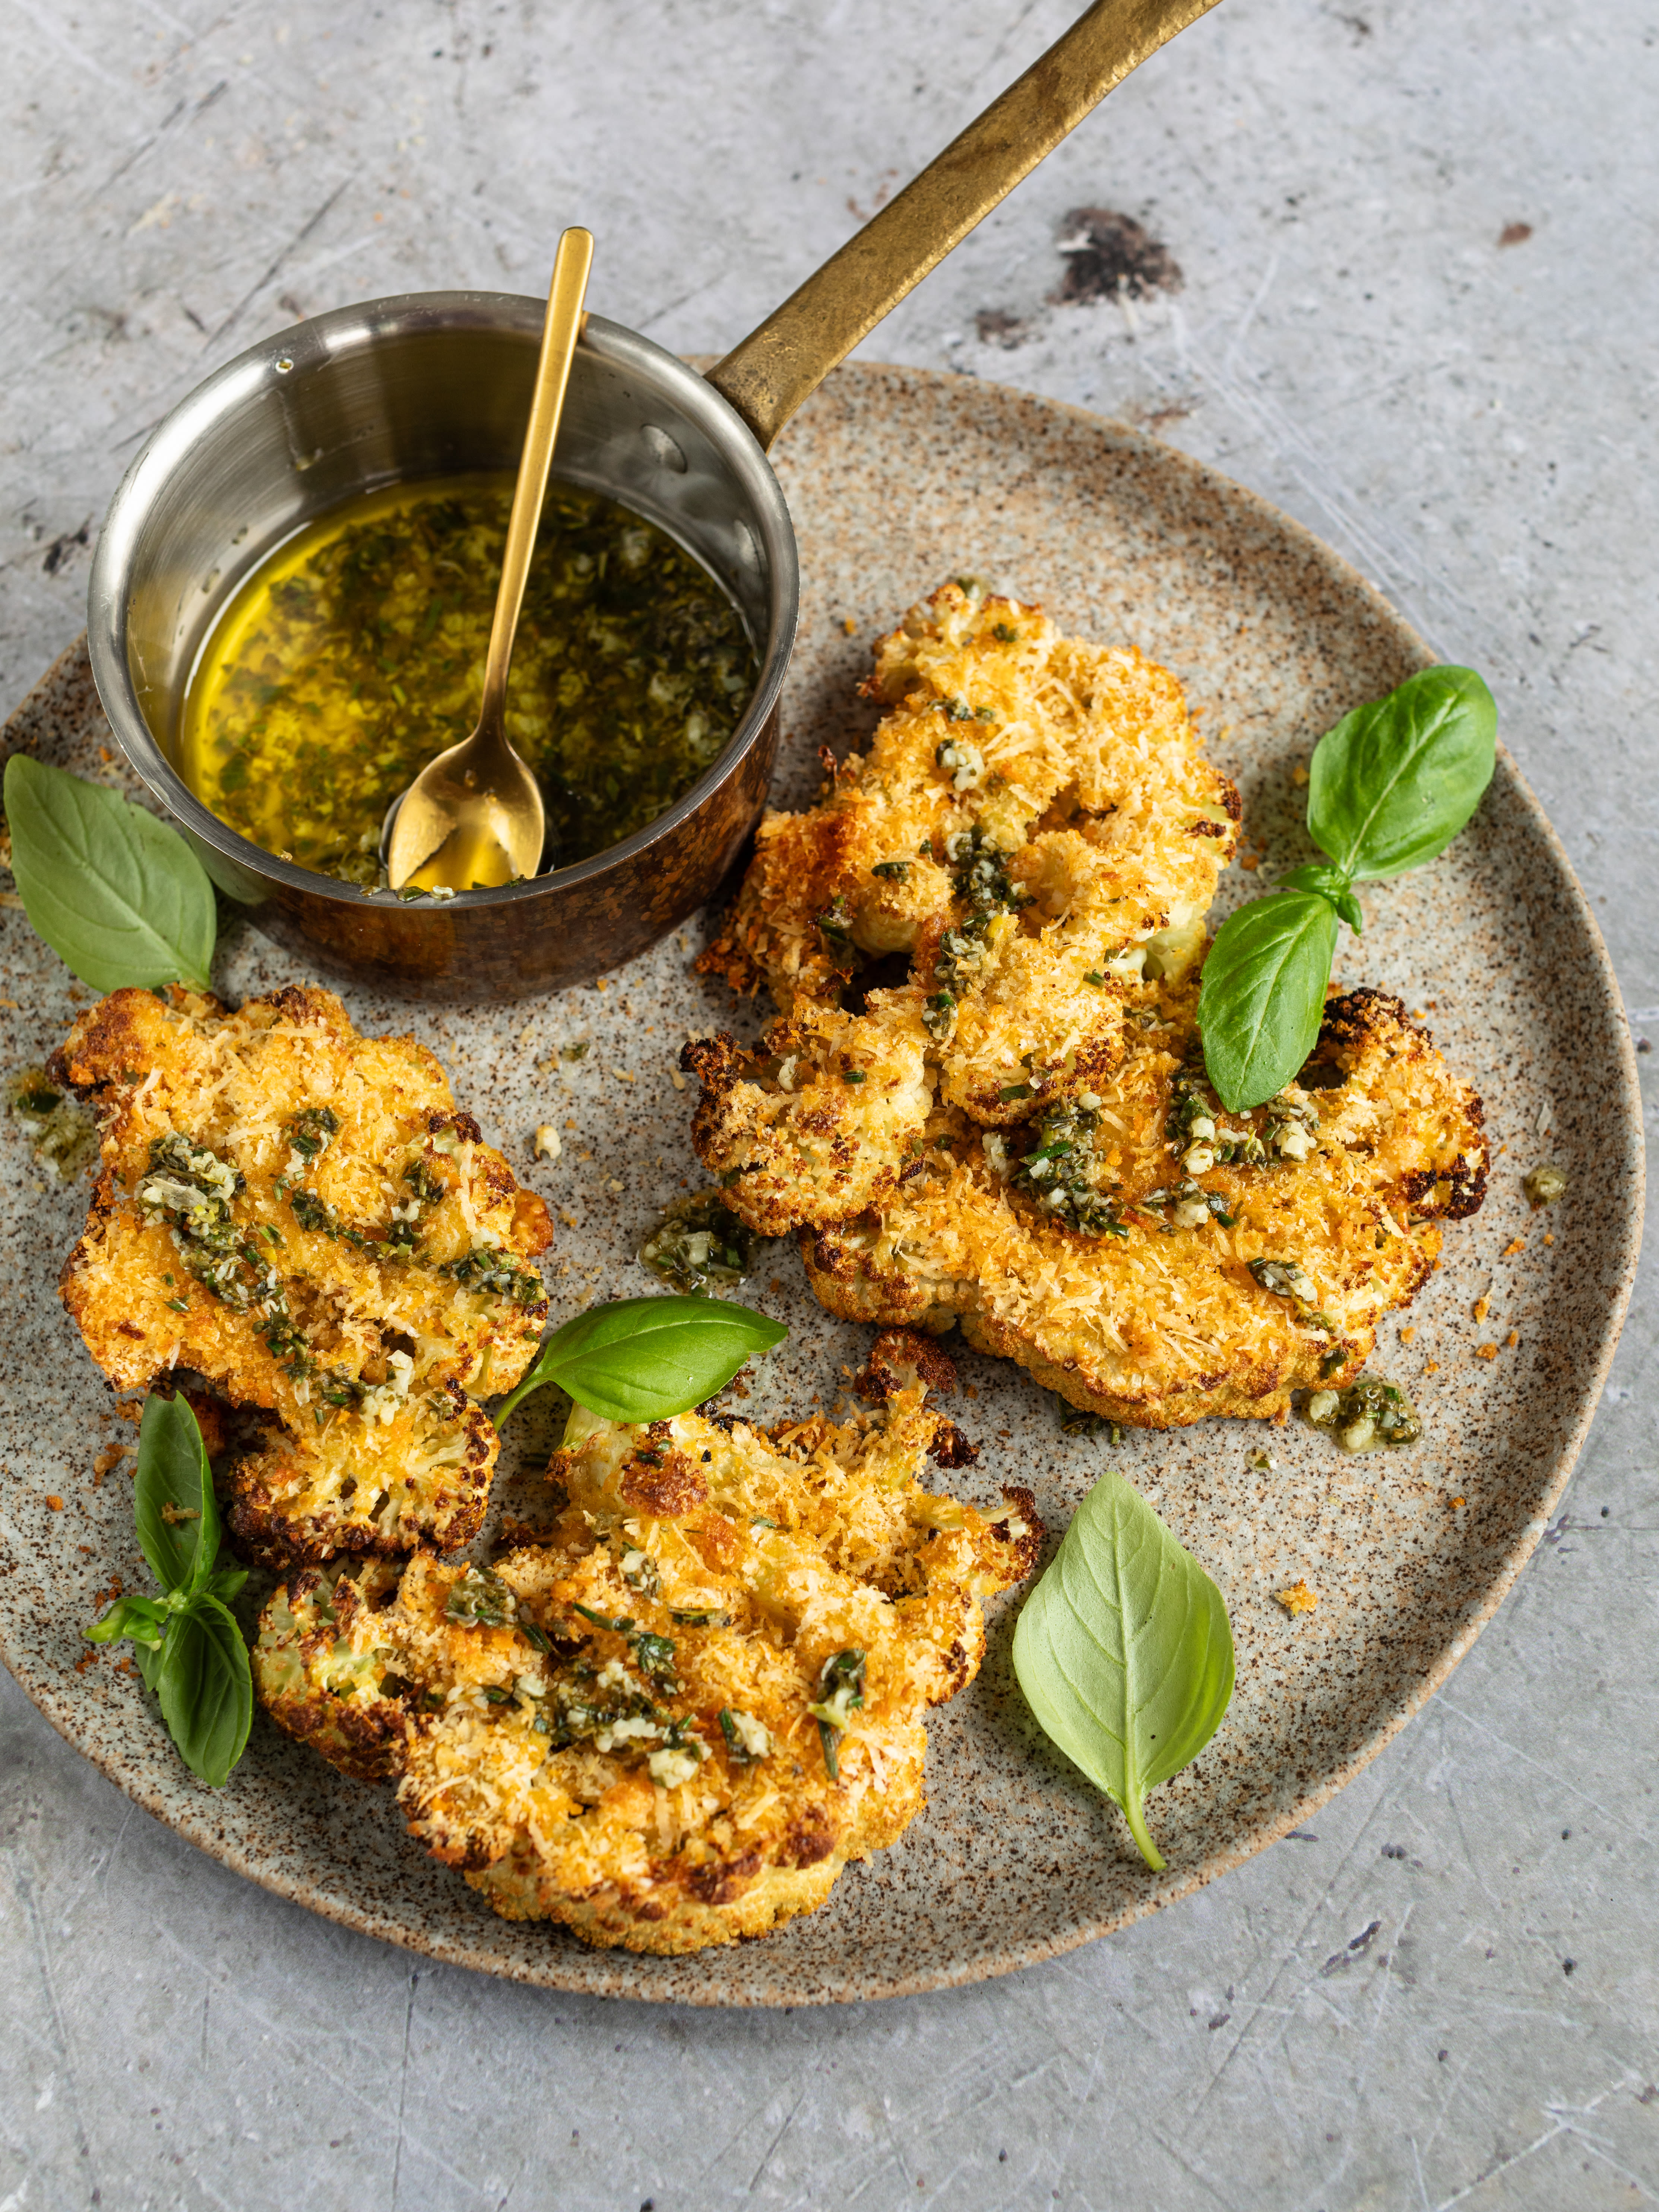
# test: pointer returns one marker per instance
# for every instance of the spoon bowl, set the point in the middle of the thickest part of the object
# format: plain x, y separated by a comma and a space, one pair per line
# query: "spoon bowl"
497, 834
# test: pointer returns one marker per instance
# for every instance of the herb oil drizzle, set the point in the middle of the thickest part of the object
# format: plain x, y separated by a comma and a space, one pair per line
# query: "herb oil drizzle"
356, 652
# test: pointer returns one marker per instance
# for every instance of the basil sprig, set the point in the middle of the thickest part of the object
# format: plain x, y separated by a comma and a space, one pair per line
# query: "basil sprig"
118, 896
190, 1648
1124, 1652
647, 1360
1390, 786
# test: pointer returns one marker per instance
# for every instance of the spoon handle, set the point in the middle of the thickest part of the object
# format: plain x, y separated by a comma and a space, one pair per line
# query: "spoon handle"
559, 335
768, 375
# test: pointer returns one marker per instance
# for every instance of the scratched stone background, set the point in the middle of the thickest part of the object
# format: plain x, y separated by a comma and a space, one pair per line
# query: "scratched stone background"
1407, 289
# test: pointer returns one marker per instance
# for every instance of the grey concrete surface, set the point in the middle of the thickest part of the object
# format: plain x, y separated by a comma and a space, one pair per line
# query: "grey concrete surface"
1448, 1993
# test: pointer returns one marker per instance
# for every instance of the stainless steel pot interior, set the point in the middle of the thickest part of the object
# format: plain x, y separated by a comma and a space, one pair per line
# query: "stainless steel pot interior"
427, 383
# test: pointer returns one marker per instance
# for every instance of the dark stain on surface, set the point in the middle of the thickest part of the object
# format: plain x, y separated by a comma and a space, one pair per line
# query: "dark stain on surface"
1515, 233
996, 327
1110, 256
1357, 1947
61, 550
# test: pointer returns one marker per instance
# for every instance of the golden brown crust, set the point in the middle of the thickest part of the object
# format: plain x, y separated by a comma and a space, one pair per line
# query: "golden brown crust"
898, 1359
1168, 1320
815, 1122
616, 1729
304, 1219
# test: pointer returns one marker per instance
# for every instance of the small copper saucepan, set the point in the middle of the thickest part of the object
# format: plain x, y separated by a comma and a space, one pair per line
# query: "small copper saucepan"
436, 383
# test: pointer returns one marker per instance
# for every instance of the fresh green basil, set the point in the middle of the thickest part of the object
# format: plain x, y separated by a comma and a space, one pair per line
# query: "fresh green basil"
117, 895
144, 1619
173, 1503
1391, 786
189, 1648
1124, 1652
1394, 781
647, 1360
206, 1688
1330, 883
1262, 995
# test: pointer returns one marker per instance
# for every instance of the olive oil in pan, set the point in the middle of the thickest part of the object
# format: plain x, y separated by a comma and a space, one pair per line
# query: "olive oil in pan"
356, 652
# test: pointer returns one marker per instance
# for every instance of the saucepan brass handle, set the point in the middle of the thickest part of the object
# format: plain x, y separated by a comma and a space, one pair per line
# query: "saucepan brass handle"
775, 367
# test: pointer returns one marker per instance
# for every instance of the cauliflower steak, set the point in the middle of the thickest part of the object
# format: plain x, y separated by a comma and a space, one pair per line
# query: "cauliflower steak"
301, 1217
1032, 829
1156, 1259
674, 1722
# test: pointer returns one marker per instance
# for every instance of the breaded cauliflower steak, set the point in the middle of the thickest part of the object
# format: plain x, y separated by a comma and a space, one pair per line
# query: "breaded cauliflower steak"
300, 1215
674, 1722
1156, 1259
1032, 825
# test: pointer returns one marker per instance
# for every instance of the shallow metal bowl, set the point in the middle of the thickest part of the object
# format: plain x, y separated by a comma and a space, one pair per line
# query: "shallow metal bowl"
430, 384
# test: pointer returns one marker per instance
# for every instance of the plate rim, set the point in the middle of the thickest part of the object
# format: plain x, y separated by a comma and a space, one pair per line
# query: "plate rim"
603, 1978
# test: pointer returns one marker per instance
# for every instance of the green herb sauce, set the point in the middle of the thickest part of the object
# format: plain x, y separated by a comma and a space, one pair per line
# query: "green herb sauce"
63, 1135
698, 1244
356, 652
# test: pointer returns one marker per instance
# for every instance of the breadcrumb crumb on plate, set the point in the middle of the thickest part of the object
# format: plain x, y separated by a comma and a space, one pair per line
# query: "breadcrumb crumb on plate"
1297, 1599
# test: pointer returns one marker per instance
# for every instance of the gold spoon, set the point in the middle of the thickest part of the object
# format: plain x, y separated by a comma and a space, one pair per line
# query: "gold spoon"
473, 816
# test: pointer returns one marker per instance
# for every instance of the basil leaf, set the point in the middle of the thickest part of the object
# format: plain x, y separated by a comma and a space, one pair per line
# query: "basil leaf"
206, 1687
117, 895
647, 1360
1124, 1652
1394, 781
189, 1649
143, 1619
1263, 994
172, 1502
1331, 883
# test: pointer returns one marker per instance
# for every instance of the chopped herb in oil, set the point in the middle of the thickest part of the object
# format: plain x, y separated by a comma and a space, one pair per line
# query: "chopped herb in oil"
1057, 1172
698, 1243
63, 1135
356, 652
1078, 1421
1370, 1415
1543, 1186
840, 1687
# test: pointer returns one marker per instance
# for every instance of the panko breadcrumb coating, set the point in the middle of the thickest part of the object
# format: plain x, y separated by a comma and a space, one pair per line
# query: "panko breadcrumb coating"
1156, 1259
673, 1722
301, 1217
1032, 828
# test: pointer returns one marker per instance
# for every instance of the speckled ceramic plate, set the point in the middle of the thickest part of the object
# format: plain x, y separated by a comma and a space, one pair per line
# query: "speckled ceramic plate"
896, 480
